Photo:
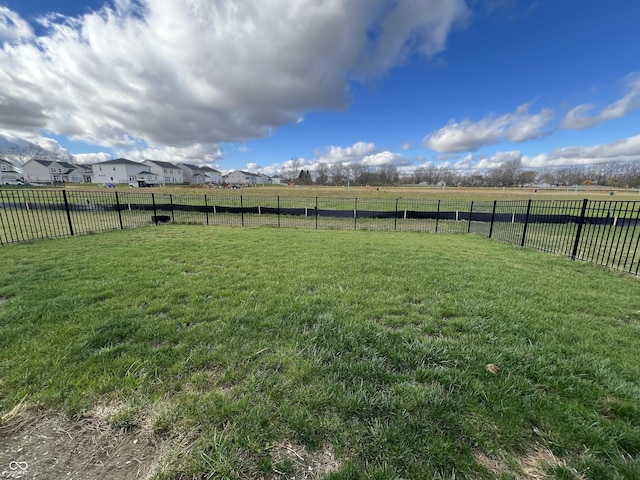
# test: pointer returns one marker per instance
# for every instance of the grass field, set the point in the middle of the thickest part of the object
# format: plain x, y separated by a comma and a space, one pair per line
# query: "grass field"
395, 354
409, 192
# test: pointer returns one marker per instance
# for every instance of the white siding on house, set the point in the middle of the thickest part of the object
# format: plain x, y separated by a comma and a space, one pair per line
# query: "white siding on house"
119, 171
166, 172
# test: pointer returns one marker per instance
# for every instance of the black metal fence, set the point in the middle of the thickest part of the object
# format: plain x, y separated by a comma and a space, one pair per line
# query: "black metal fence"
602, 232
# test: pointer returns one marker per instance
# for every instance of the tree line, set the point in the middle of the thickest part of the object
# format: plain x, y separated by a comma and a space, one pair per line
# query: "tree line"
509, 174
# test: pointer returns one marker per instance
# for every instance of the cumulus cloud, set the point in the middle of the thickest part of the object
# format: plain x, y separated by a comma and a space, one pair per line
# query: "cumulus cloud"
197, 153
623, 150
469, 136
580, 118
142, 73
12, 27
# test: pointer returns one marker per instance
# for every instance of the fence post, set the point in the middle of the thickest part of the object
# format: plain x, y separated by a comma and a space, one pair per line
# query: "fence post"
316, 213
119, 211
206, 208
526, 224
493, 216
66, 206
438, 216
242, 210
355, 214
278, 211
470, 215
395, 218
173, 215
155, 210
579, 232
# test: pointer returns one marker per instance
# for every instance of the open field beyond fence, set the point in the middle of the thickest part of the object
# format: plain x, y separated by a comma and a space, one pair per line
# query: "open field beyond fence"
605, 232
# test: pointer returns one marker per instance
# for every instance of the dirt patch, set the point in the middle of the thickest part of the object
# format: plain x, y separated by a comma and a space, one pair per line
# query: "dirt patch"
37, 445
293, 461
532, 466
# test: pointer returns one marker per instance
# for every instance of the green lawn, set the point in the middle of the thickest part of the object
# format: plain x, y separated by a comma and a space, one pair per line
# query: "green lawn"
405, 355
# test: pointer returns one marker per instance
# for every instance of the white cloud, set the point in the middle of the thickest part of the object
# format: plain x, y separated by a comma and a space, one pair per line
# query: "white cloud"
623, 150
197, 153
199, 72
469, 136
579, 118
356, 152
383, 158
91, 157
12, 27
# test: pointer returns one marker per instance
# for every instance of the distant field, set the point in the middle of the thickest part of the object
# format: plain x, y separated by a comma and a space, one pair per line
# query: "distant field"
436, 193
281, 353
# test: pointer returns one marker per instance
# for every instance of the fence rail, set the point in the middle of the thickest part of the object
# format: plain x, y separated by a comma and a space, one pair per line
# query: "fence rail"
602, 232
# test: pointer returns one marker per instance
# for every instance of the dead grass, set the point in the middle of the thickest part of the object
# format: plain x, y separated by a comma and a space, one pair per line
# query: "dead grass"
303, 465
42, 445
532, 466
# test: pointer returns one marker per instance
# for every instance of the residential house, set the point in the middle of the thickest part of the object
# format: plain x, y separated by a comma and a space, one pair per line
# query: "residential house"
195, 174
122, 170
167, 172
87, 173
8, 173
52, 171
212, 175
238, 177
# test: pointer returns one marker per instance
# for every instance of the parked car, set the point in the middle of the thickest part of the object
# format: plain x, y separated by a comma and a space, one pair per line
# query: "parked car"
17, 181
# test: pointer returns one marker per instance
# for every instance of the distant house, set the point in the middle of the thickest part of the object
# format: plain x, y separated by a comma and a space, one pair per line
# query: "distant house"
87, 173
52, 171
8, 173
212, 175
166, 172
238, 177
276, 180
195, 174
122, 170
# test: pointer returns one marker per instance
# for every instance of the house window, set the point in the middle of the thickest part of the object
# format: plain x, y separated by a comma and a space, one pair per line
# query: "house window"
165, 170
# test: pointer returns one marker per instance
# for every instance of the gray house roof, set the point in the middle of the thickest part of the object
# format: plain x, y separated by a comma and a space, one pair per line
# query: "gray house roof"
47, 163
163, 164
119, 161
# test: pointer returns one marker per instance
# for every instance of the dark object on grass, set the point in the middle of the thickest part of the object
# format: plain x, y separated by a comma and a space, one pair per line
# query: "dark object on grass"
160, 218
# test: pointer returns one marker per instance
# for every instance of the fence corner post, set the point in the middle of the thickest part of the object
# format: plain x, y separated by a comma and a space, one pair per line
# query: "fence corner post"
119, 211
493, 216
395, 217
155, 210
574, 253
66, 207
526, 223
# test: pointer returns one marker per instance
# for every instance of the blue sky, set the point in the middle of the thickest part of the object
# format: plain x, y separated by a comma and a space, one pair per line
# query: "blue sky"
250, 85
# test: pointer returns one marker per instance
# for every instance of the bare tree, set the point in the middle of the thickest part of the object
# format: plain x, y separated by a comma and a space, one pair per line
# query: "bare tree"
23, 154
322, 174
507, 174
338, 174
294, 168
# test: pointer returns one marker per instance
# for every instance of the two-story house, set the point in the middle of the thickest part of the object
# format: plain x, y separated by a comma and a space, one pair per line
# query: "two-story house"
122, 170
167, 172
239, 177
51, 171
8, 173
195, 174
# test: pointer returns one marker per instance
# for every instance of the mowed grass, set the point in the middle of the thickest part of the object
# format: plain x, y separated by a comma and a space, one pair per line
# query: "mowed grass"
405, 355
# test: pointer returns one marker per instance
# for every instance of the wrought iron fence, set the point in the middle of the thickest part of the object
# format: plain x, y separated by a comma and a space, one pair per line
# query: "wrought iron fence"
602, 232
